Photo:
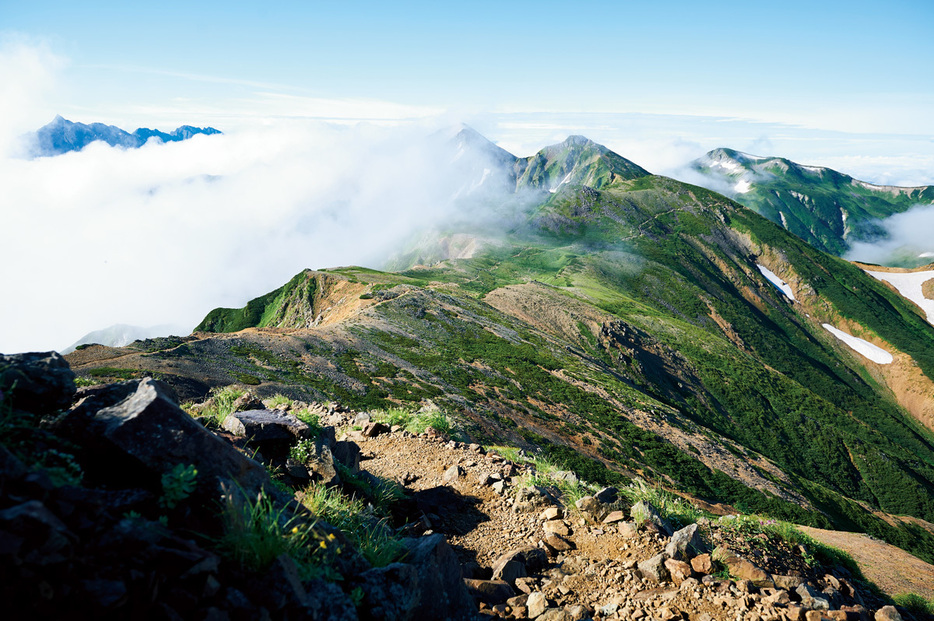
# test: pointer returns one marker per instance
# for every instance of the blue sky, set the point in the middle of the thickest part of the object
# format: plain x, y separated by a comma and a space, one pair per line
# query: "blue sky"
321, 104
850, 66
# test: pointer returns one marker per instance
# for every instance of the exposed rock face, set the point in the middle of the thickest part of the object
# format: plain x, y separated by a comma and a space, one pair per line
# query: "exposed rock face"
685, 544
141, 428
37, 382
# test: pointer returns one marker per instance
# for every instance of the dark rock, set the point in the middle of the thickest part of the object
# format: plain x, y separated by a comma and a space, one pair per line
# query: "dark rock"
371, 430
44, 539
442, 585
428, 585
263, 426
280, 587
389, 592
325, 600
41, 383
10, 466
144, 434
607, 495
348, 454
473, 570
105, 593
685, 544
321, 465
490, 592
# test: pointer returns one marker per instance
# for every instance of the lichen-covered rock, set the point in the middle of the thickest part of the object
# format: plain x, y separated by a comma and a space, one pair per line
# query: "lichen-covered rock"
428, 585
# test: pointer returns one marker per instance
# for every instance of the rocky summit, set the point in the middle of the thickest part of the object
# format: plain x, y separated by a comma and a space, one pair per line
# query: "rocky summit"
118, 503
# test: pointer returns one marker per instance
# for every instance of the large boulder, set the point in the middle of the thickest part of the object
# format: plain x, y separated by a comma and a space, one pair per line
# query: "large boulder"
262, 426
134, 431
36, 382
428, 585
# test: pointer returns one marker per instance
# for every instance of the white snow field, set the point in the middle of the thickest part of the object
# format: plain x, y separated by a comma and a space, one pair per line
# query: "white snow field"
864, 348
909, 285
775, 280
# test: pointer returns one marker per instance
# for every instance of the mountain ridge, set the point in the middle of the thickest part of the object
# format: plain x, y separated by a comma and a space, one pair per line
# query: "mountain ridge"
62, 136
676, 358
826, 208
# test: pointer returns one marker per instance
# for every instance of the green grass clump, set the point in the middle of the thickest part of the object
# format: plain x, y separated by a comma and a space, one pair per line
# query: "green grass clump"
435, 419
914, 603
279, 399
813, 551
221, 405
371, 534
416, 422
671, 506
256, 533
309, 418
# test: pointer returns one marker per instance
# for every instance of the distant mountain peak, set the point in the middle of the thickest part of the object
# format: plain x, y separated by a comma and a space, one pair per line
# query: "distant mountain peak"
61, 136
826, 208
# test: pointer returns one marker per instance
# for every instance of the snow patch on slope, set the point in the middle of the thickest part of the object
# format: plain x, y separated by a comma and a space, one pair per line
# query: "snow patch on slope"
563, 181
909, 285
742, 186
863, 348
773, 278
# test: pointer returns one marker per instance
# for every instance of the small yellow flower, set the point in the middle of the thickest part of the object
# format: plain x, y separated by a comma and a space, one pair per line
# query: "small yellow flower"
324, 545
294, 529
331, 537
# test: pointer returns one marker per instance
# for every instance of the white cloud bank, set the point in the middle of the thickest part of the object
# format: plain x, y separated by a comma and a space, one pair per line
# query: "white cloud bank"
165, 233
910, 238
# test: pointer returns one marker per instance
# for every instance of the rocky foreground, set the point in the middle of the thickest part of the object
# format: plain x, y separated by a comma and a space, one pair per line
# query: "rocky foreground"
116, 503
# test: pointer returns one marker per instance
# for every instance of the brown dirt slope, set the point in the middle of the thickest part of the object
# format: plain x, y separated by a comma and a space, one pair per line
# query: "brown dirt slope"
892, 569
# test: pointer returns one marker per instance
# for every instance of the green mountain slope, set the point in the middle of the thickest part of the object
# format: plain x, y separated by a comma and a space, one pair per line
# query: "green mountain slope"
827, 209
622, 328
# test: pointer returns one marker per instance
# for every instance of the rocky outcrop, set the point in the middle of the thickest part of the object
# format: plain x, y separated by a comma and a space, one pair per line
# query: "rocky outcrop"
138, 429
36, 382
429, 584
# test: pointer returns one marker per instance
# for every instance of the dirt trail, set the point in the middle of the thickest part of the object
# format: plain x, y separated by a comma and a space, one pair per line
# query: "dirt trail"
892, 569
